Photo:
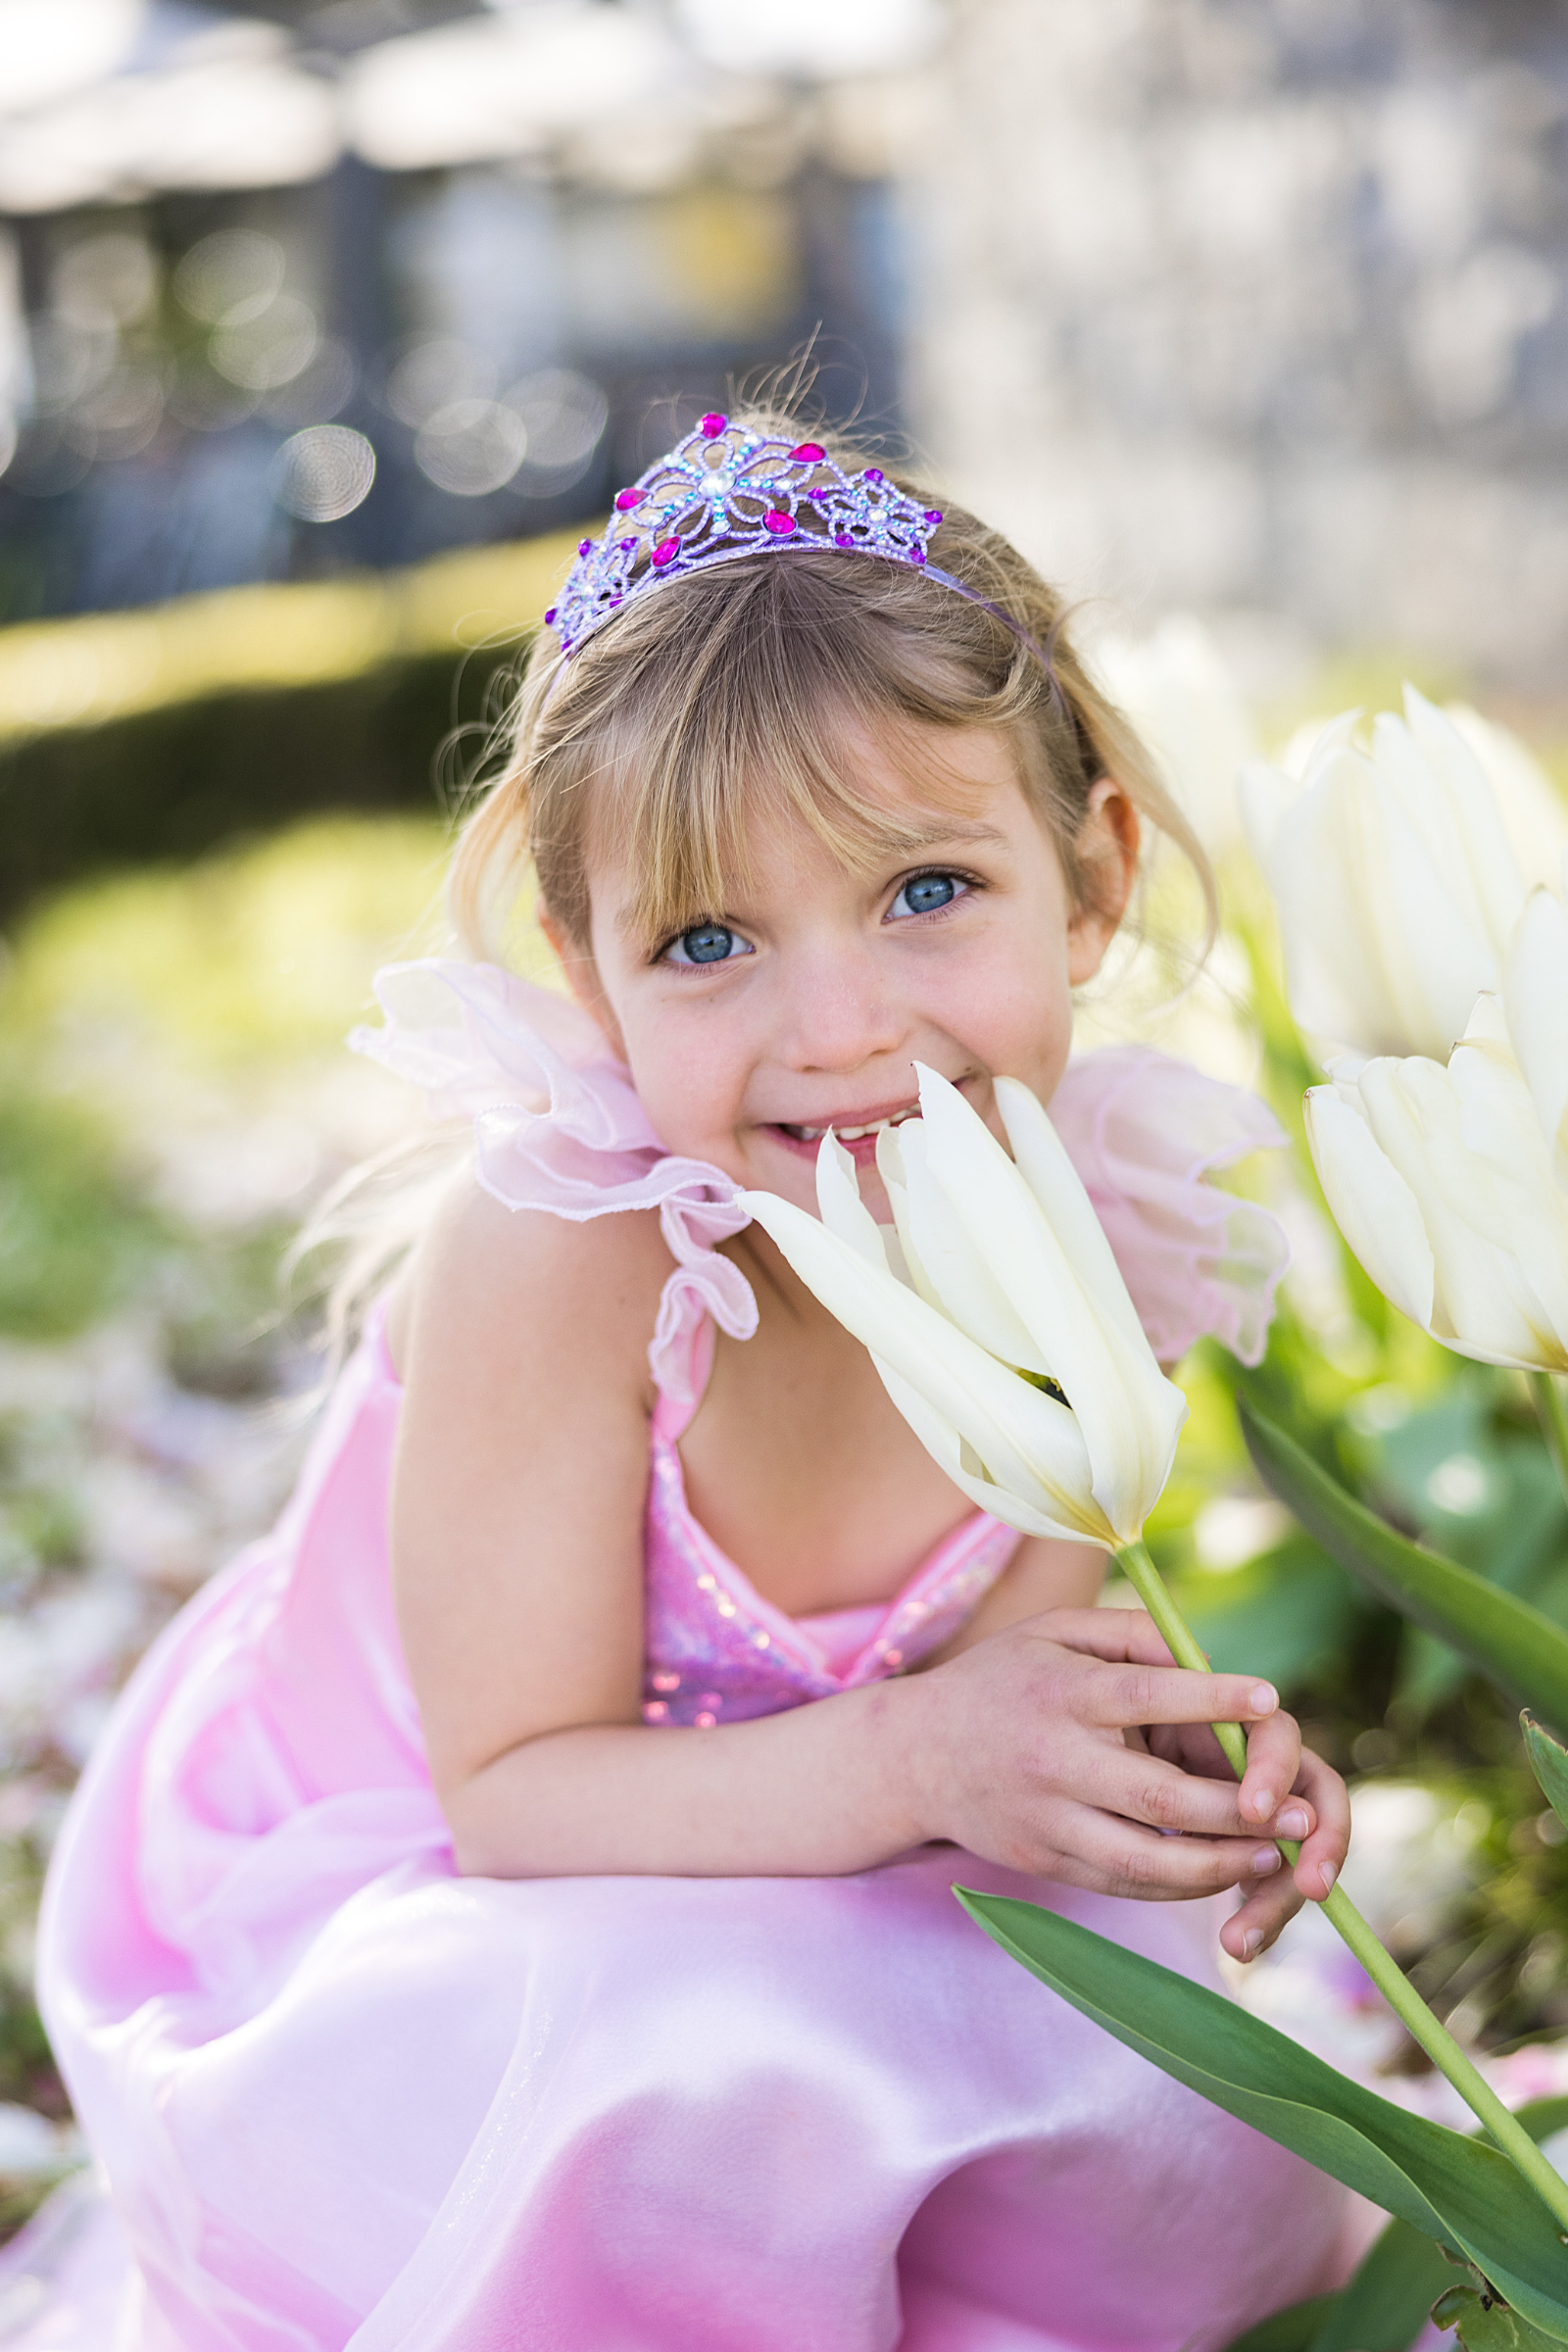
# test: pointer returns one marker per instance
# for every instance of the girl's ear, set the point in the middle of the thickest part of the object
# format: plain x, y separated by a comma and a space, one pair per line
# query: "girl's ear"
1106, 852
581, 973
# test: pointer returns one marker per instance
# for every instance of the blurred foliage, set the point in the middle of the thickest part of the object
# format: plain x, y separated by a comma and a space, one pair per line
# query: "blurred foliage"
261, 954
146, 735
74, 1237
167, 996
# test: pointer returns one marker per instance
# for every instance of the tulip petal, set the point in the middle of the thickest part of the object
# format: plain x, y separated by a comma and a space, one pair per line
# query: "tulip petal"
1029, 1443
942, 1445
1536, 995
891, 1168
1130, 1415
969, 1286
1371, 1202
1487, 875
843, 1212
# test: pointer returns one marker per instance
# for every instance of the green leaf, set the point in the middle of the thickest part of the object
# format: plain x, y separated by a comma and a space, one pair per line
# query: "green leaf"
1460, 2191
1548, 1761
1487, 2326
1290, 2330
1501, 1635
1383, 2307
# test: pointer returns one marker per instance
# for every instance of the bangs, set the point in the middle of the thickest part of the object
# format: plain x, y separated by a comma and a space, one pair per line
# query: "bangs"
687, 828
791, 687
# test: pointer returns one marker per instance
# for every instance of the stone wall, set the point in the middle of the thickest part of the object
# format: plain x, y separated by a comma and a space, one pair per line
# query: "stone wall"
1256, 307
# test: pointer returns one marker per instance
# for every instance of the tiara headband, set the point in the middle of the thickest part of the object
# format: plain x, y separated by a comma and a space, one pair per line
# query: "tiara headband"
725, 492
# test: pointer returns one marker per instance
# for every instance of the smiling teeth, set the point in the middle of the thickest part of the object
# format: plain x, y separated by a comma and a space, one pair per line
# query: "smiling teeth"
853, 1135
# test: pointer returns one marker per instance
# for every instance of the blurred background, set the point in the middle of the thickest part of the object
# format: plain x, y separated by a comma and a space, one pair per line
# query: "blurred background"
325, 329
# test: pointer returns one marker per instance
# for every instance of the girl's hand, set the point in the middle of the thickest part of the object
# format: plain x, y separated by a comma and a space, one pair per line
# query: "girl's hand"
1071, 1748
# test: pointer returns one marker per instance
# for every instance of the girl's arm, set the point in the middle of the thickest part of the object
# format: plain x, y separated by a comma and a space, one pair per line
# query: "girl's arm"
518, 1556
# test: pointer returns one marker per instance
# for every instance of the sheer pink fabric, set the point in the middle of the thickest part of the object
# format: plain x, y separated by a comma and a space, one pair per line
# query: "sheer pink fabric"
346, 2098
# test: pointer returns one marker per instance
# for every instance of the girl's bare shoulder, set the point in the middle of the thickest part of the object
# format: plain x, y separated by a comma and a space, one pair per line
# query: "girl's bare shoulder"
489, 1286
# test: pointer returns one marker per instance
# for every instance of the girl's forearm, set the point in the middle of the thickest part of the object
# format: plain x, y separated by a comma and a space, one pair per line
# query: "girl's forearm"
817, 1791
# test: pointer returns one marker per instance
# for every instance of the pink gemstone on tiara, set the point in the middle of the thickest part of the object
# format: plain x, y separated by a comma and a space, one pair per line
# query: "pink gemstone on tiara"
666, 552
873, 473
625, 545
933, 515
712, 426
625, 499
550, 616
843, 539
585, 547
811, 450
778, 522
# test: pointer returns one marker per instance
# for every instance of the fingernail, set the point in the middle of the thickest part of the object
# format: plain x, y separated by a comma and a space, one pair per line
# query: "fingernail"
1252, 1943
1293, 1822
1263, 1803
1328, 1874
1265, 1698
1266, 1858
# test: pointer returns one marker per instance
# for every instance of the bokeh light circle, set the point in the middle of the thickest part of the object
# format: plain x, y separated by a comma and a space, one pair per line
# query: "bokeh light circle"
324, 473
234, 269
565, 416
471, 447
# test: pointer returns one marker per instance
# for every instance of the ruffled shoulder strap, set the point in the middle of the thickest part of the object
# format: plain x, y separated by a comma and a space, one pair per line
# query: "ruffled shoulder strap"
1145, 1132
558, 1126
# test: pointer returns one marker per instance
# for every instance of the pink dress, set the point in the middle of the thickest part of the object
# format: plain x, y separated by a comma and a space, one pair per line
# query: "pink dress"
344, 2097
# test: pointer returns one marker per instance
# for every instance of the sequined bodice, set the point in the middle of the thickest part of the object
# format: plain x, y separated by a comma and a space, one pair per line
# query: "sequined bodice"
715, 1652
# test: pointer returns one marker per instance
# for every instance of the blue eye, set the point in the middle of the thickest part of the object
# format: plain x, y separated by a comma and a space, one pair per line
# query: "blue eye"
707, 943
925, 893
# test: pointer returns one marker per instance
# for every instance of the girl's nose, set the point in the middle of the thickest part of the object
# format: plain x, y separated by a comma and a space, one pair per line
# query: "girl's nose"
840, 1014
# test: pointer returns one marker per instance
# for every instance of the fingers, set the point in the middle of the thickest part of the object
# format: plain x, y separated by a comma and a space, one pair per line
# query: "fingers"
1271, 1902
1142, 1692
1323, 1853
1147, 1789
1273, 1763
1268, 1904
1125, 1858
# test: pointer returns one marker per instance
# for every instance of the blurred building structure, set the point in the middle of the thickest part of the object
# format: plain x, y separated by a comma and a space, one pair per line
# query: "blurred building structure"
349, 281
1257, 307
1249, 306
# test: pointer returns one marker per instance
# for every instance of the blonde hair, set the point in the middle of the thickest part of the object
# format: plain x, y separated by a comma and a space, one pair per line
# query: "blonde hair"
748, 691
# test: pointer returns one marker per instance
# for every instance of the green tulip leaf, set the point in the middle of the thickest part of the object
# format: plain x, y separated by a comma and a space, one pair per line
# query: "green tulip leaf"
1485, 2325
1385, 2306
1293, 2331
1548, 1761
1462, 2192
1501, 1635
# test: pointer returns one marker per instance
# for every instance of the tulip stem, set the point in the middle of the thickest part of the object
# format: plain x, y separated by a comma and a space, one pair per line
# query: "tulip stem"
1386, 1974
1552, 1415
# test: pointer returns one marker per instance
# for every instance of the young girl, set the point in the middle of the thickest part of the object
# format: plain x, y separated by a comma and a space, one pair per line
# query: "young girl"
511, 1907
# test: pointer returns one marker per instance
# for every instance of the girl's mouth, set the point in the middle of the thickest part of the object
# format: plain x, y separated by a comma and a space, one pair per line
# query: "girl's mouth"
860, 1132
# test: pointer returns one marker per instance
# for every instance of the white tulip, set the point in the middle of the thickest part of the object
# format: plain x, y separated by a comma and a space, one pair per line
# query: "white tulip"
1397, 885
1179, 693
999, 1280
1536, 996
1440, 1181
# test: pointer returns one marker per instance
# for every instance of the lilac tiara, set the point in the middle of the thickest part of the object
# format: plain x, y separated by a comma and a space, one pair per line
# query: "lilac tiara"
725, 492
